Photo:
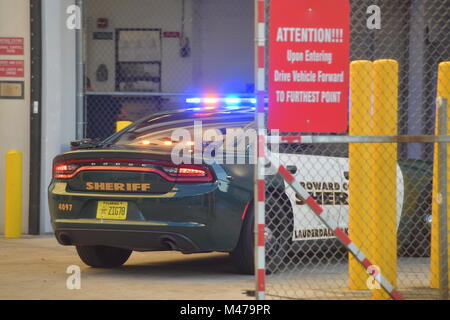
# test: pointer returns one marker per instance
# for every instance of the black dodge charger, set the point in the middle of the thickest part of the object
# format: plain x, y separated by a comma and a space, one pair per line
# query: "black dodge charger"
127, 193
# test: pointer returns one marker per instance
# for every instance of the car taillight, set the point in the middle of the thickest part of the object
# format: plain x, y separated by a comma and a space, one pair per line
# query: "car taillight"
171, 172
64, 170
189, 173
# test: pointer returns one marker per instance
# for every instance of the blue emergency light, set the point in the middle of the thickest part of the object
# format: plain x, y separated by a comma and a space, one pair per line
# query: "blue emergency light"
229, 103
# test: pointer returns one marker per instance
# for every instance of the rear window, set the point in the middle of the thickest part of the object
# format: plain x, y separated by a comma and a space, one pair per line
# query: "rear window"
155, 132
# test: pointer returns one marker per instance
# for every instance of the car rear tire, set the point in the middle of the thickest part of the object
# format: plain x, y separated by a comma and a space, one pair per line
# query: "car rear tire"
102, 256
243, 254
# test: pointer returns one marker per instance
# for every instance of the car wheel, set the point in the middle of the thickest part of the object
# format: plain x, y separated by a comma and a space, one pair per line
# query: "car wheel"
102, 256
243, 254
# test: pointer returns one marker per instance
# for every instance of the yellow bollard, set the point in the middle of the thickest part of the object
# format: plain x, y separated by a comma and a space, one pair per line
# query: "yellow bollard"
13, 194
384, 174
122, 124
361, 78
444, 92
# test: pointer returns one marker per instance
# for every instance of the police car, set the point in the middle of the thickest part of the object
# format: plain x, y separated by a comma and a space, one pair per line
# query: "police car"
183, 180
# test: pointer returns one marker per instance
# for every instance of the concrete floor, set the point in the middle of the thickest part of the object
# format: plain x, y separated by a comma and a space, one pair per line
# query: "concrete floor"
35, 268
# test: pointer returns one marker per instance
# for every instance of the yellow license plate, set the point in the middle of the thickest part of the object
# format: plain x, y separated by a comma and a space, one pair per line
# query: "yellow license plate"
112, 210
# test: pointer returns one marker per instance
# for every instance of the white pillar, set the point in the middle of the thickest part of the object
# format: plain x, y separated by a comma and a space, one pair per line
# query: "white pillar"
58, 92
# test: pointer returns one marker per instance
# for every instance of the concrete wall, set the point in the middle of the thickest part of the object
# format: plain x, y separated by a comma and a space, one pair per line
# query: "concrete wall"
226, 39
14, 114
58, 96
158, 14
220, 35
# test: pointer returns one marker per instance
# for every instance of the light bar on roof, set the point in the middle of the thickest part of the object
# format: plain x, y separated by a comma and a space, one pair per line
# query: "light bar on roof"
232, 101
232, 107
210, 100
194, 100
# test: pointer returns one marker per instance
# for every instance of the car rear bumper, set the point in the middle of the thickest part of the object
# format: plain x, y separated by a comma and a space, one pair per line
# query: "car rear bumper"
192, 218
128, 239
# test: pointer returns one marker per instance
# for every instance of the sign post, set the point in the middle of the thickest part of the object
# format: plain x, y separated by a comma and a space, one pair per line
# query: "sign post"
259, 172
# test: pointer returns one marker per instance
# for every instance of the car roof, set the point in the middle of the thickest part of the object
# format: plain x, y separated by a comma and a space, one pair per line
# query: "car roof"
222, 113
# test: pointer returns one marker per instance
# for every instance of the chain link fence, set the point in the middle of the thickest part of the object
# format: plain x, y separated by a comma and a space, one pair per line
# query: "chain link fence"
378, 193
146, 56
310, 262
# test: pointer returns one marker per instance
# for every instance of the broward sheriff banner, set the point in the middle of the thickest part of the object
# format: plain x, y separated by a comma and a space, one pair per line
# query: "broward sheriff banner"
326, 179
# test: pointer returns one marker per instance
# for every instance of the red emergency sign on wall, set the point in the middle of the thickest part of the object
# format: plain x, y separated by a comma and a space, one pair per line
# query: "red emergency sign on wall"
11, 46
12, 68
171, 34
309, 65
102, 23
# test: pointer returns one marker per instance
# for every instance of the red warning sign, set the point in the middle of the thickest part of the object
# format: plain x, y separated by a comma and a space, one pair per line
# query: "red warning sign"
309, 65
171, 34
12, 68
11, 46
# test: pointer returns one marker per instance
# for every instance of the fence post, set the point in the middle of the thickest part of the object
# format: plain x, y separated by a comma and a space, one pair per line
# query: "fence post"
384, 179
442, 196
435, 261
361, 78
13, 194
259, 173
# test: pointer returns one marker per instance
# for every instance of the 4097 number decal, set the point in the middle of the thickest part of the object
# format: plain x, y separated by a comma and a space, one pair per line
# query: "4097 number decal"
65, 207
